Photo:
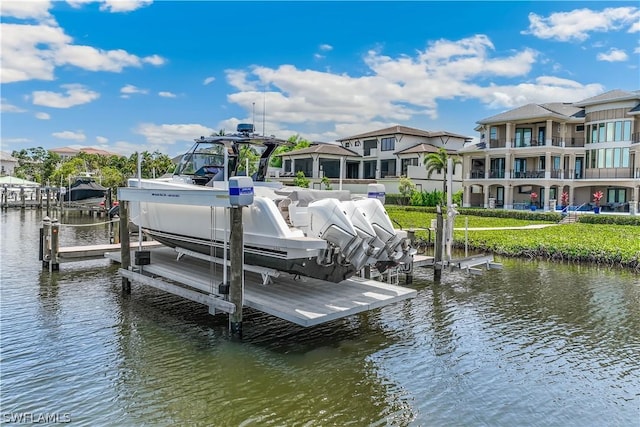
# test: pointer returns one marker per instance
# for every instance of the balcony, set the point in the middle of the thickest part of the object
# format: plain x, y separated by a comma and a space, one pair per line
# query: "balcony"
635, 138
497, 143
574, 142
536, 174
370, 152
496, 173
526, 144
617, 173
477, 174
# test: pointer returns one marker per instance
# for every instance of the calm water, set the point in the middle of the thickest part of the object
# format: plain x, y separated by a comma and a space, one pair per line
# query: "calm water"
535, 344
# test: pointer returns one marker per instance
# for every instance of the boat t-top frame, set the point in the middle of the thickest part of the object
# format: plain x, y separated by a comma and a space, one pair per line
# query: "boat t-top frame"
206, 159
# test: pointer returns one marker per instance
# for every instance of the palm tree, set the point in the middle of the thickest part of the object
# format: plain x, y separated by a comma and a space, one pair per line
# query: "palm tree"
438, 162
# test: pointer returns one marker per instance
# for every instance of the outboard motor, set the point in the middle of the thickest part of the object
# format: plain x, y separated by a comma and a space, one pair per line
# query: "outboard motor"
329, 221
395, 243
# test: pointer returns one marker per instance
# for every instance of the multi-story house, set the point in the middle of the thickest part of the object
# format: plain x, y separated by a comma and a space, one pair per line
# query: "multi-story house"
7, 163
382, 155
550, 149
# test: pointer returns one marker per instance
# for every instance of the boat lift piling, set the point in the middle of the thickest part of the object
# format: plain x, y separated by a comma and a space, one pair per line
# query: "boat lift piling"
50, 244
125, 249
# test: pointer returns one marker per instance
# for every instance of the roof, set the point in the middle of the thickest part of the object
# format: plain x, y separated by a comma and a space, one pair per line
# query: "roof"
12, 180
7, 157
611, 96
88, 150
536, 111
422, 148
329, 149
635, 110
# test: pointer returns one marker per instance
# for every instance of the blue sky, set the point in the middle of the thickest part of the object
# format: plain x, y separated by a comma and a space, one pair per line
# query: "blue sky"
124, 75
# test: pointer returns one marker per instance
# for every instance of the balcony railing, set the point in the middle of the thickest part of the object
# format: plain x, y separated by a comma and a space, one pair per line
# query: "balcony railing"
527, 174
617, 173
574, 142
497, 143
477, 174
496, 173
523, 144
635, 138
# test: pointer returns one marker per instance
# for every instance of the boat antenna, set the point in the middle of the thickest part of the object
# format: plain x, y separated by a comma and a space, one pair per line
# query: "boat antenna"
264, 108
254, 116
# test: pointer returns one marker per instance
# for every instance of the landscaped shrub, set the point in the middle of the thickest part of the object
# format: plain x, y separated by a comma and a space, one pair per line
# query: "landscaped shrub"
609, 219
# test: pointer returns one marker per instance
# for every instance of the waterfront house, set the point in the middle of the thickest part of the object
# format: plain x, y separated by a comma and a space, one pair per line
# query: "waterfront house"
548, 149
382, 156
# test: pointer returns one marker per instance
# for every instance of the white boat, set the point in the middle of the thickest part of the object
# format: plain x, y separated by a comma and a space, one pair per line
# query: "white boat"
324, 234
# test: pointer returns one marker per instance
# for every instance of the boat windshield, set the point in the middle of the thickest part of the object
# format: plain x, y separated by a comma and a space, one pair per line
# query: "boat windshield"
202, 159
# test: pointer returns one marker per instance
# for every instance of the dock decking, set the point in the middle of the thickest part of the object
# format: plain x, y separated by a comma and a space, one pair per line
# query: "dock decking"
304, 301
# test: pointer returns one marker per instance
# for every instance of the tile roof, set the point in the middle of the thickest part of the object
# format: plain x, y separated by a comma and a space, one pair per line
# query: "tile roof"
422, 148
612, 95
534, 111
329, 149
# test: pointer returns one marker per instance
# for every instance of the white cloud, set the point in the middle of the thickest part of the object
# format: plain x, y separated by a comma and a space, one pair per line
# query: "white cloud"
43, 116
170, 134
325, 47
578, 23
5, 107
113, 5
614, 55
399, 89
75, 94
33, 51
208, 80
130, 90
38, 10
165, 94
637, 50
70, 135
101, 140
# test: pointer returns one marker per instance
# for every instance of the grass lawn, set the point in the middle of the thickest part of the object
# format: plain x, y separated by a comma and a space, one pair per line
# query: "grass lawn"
609, 244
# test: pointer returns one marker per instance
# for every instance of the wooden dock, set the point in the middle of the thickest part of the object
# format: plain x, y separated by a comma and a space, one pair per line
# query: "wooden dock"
301, 300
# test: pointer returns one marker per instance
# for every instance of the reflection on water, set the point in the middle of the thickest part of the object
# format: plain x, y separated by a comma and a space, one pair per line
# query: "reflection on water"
532, 344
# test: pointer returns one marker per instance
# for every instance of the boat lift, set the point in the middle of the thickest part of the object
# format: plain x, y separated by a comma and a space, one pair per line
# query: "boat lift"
302, 300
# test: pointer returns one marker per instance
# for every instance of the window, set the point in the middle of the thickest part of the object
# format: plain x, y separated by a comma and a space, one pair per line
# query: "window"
610, 130
406, 163
616, 157
579, 128
287, 165
369, 145
357, 144
618, 134
602, 136
493, 134
347, 145
388, 144
387, 168
626, 136
608, 158
523, 137
541, 137
625, 157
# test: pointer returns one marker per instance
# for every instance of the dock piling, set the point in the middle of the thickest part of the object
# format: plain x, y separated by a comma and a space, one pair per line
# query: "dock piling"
236, 289
437, 262
125, 250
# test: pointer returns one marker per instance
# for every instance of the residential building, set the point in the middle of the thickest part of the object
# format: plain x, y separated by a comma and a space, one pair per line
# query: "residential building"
7, 163
383, 156
549, 149
68, 152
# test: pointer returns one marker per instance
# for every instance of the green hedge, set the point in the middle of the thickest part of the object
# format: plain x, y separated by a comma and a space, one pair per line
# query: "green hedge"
492, 213
609, 219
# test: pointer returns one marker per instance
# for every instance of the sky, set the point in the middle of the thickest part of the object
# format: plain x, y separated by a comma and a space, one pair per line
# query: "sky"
127, 76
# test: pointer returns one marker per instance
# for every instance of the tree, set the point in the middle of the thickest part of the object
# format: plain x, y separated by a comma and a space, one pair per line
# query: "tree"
35, 164
326, 182
295, 143
301, 180
406, 187
248, 153
438, 162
